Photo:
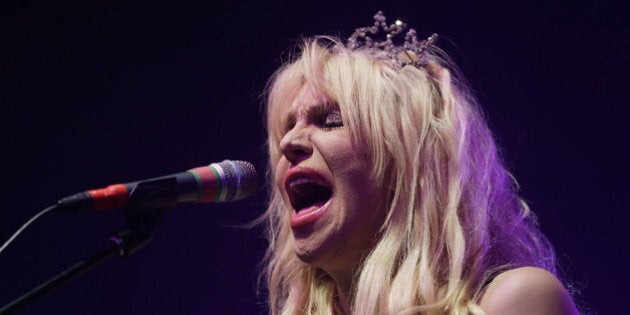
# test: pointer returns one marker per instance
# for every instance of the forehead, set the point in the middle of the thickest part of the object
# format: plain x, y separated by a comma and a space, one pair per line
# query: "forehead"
307, 97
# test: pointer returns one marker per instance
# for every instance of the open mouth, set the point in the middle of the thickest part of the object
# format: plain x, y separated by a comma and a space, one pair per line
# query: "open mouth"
305, 193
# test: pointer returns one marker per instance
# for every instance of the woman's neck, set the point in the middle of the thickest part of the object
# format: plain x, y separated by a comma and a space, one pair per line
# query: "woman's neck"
344, 283
342, 302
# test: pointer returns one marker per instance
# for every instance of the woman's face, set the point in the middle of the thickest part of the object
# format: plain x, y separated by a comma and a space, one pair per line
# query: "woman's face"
325, 182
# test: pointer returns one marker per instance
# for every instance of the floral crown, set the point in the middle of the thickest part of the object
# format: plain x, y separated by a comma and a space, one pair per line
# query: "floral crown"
411, 52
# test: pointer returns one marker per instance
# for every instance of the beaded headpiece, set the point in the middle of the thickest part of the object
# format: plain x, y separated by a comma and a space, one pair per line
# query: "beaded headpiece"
414, 51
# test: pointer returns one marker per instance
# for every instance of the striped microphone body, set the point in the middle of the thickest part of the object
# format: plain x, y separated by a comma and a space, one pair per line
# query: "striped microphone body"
218, 182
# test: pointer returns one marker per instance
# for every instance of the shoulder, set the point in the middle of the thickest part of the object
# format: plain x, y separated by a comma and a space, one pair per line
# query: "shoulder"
527, 290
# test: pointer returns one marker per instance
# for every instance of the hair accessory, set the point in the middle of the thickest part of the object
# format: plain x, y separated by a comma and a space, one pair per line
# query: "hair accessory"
409, 48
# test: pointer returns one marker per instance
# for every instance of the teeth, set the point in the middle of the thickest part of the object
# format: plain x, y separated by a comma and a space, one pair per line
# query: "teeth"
299, 181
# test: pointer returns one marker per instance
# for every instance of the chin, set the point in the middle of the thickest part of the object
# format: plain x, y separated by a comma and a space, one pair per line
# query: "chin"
326, 251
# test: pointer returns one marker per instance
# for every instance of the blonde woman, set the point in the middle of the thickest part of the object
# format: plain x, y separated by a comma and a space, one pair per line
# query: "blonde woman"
388, 194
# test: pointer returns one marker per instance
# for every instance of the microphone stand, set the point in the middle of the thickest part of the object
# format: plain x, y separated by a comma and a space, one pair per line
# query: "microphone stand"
125, 242
146, 204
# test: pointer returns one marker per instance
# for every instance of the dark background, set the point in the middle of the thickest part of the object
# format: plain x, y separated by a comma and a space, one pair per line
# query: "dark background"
100, 92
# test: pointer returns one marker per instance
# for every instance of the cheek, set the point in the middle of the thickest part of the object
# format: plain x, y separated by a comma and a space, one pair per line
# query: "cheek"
351, 169
356, 172
280, 170
347, 160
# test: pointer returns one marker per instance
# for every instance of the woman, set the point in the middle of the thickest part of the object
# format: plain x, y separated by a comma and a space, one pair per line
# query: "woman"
388, 193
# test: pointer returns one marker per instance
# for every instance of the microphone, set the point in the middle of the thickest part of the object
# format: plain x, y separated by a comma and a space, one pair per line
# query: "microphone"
218, 182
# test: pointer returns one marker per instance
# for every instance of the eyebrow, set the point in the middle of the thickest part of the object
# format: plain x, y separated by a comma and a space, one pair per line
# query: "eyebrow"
311, 111
320, 109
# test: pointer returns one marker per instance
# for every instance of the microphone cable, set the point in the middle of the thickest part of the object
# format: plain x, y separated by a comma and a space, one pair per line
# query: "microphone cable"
19, 231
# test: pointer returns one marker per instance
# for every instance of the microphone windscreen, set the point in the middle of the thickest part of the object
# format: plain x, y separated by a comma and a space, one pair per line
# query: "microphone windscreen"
239, 180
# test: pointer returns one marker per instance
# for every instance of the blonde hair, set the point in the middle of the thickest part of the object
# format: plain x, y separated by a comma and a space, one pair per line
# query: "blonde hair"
454, 218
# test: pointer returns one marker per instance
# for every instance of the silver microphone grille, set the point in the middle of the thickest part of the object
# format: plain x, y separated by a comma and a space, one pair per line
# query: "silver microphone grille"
241, 180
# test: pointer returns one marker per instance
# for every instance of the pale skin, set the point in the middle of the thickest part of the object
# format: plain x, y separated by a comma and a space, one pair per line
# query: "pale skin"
316, 141
527, 290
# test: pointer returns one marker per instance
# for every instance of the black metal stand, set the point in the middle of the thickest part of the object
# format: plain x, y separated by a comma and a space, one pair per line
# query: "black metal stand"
125, 242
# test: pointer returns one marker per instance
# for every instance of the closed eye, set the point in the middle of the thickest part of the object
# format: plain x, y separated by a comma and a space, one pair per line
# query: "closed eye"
323, 115
327, 116
333, 120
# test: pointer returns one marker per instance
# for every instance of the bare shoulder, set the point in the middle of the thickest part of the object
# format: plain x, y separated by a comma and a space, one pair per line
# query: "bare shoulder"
527, 290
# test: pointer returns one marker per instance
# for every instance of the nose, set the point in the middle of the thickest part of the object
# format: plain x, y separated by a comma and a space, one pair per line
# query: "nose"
296, 144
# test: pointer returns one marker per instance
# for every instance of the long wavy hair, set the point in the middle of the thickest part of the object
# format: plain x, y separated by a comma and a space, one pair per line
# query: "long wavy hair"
454, 218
